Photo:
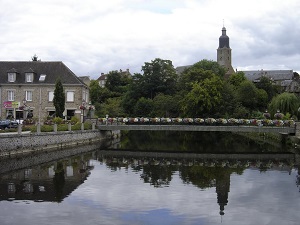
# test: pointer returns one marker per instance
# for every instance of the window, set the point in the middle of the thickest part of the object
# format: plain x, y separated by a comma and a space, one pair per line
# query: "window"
10, 96
11, 77
42, 77
29, 77
70, 96
28, 95
50, 96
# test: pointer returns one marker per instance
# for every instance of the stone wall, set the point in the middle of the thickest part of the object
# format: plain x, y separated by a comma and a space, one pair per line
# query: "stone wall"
11, 144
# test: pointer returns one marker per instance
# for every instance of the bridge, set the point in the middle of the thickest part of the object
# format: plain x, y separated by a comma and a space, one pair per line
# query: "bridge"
260, 126
203, 128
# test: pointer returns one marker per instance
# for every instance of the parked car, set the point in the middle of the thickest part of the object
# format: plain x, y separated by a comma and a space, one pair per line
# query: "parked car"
6, 124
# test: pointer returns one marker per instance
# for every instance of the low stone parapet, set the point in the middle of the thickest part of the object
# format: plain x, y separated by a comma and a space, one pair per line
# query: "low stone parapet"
11, 144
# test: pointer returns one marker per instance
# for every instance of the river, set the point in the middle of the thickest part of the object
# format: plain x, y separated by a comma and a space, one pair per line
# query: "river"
155, 178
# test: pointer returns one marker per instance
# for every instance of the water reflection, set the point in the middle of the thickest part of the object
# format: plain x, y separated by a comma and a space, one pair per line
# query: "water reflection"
56, 180
46, 182
131, 183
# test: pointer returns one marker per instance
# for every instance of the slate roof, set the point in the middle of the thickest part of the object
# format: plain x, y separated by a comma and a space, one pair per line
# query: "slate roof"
180, 69
276, 75
52, 70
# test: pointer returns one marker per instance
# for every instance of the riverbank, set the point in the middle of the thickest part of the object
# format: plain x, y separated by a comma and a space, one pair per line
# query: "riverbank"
27, 142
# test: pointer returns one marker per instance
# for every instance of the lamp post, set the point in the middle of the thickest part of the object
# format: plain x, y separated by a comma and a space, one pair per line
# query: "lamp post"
24, 108
82, 107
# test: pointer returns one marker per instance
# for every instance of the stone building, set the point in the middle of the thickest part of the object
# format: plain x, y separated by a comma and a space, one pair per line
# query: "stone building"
223, 56
287, 80
224, 53
27, 88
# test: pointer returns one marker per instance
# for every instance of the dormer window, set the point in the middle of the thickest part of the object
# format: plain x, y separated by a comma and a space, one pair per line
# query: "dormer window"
11, 77
29, 77
42, 77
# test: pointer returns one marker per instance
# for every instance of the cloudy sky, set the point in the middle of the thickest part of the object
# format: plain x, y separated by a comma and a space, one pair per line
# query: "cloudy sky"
93, 37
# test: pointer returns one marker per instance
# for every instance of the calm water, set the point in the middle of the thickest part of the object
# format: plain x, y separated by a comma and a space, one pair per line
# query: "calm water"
135, 186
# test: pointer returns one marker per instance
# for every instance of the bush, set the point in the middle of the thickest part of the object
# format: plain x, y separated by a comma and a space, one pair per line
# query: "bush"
74, 120
62, 127
57, 120
46, 128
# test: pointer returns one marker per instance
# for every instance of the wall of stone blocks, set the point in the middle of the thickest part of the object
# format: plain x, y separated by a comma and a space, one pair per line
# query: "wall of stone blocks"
33, 142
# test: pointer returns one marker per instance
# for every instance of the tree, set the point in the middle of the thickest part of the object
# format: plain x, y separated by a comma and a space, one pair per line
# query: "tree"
143, 107
285, 103
166, 105
212, 66
159, 77
228, 102
266, 84
59, 99
247, 94
117, 83
111, 107
95, 91
203, 97
199, 72
237, 78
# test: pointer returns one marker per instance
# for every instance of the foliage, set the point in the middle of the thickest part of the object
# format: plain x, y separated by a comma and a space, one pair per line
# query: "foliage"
266, 84
241, 112
74, 120
59, 99
247, 94
143, 107
203, 96
228, 102
237, 78
117, 83
159, 77
95, 92
166, 105
57, 120
262, 99
285, 103
213, 66
111, 107
62, 127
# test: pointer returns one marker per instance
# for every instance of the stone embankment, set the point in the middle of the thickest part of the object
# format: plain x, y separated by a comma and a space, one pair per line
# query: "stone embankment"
22, 143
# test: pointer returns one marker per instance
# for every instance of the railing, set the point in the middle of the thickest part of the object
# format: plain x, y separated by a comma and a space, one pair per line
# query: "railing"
199, 124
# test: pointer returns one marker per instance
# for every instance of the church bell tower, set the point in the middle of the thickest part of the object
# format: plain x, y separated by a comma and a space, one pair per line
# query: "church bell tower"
224, 53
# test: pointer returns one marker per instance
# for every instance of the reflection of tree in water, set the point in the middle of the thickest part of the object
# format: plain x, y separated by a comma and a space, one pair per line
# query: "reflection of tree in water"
192, 141
59, 181
158, 176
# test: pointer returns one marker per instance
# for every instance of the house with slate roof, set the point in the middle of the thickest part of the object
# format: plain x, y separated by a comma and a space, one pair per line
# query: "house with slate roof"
283, 78
32, 84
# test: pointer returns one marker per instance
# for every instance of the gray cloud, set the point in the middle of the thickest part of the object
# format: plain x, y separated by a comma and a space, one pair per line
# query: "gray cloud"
92, 38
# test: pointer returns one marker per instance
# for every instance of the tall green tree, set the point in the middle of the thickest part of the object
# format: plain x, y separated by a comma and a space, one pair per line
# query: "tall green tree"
159, 77
203, 97
247, 94
266, 84
212, 66
237, 78
117, 83
166, 105
95, 91
59, 99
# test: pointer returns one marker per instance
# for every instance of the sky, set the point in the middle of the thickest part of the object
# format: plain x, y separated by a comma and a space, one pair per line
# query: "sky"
93, 36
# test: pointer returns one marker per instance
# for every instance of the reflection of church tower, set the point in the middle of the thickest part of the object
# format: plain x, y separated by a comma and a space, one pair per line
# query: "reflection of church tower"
222, 189
224, 53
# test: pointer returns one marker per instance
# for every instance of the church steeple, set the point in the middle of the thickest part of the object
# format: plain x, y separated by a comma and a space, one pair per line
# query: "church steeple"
224, 39
224, 53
